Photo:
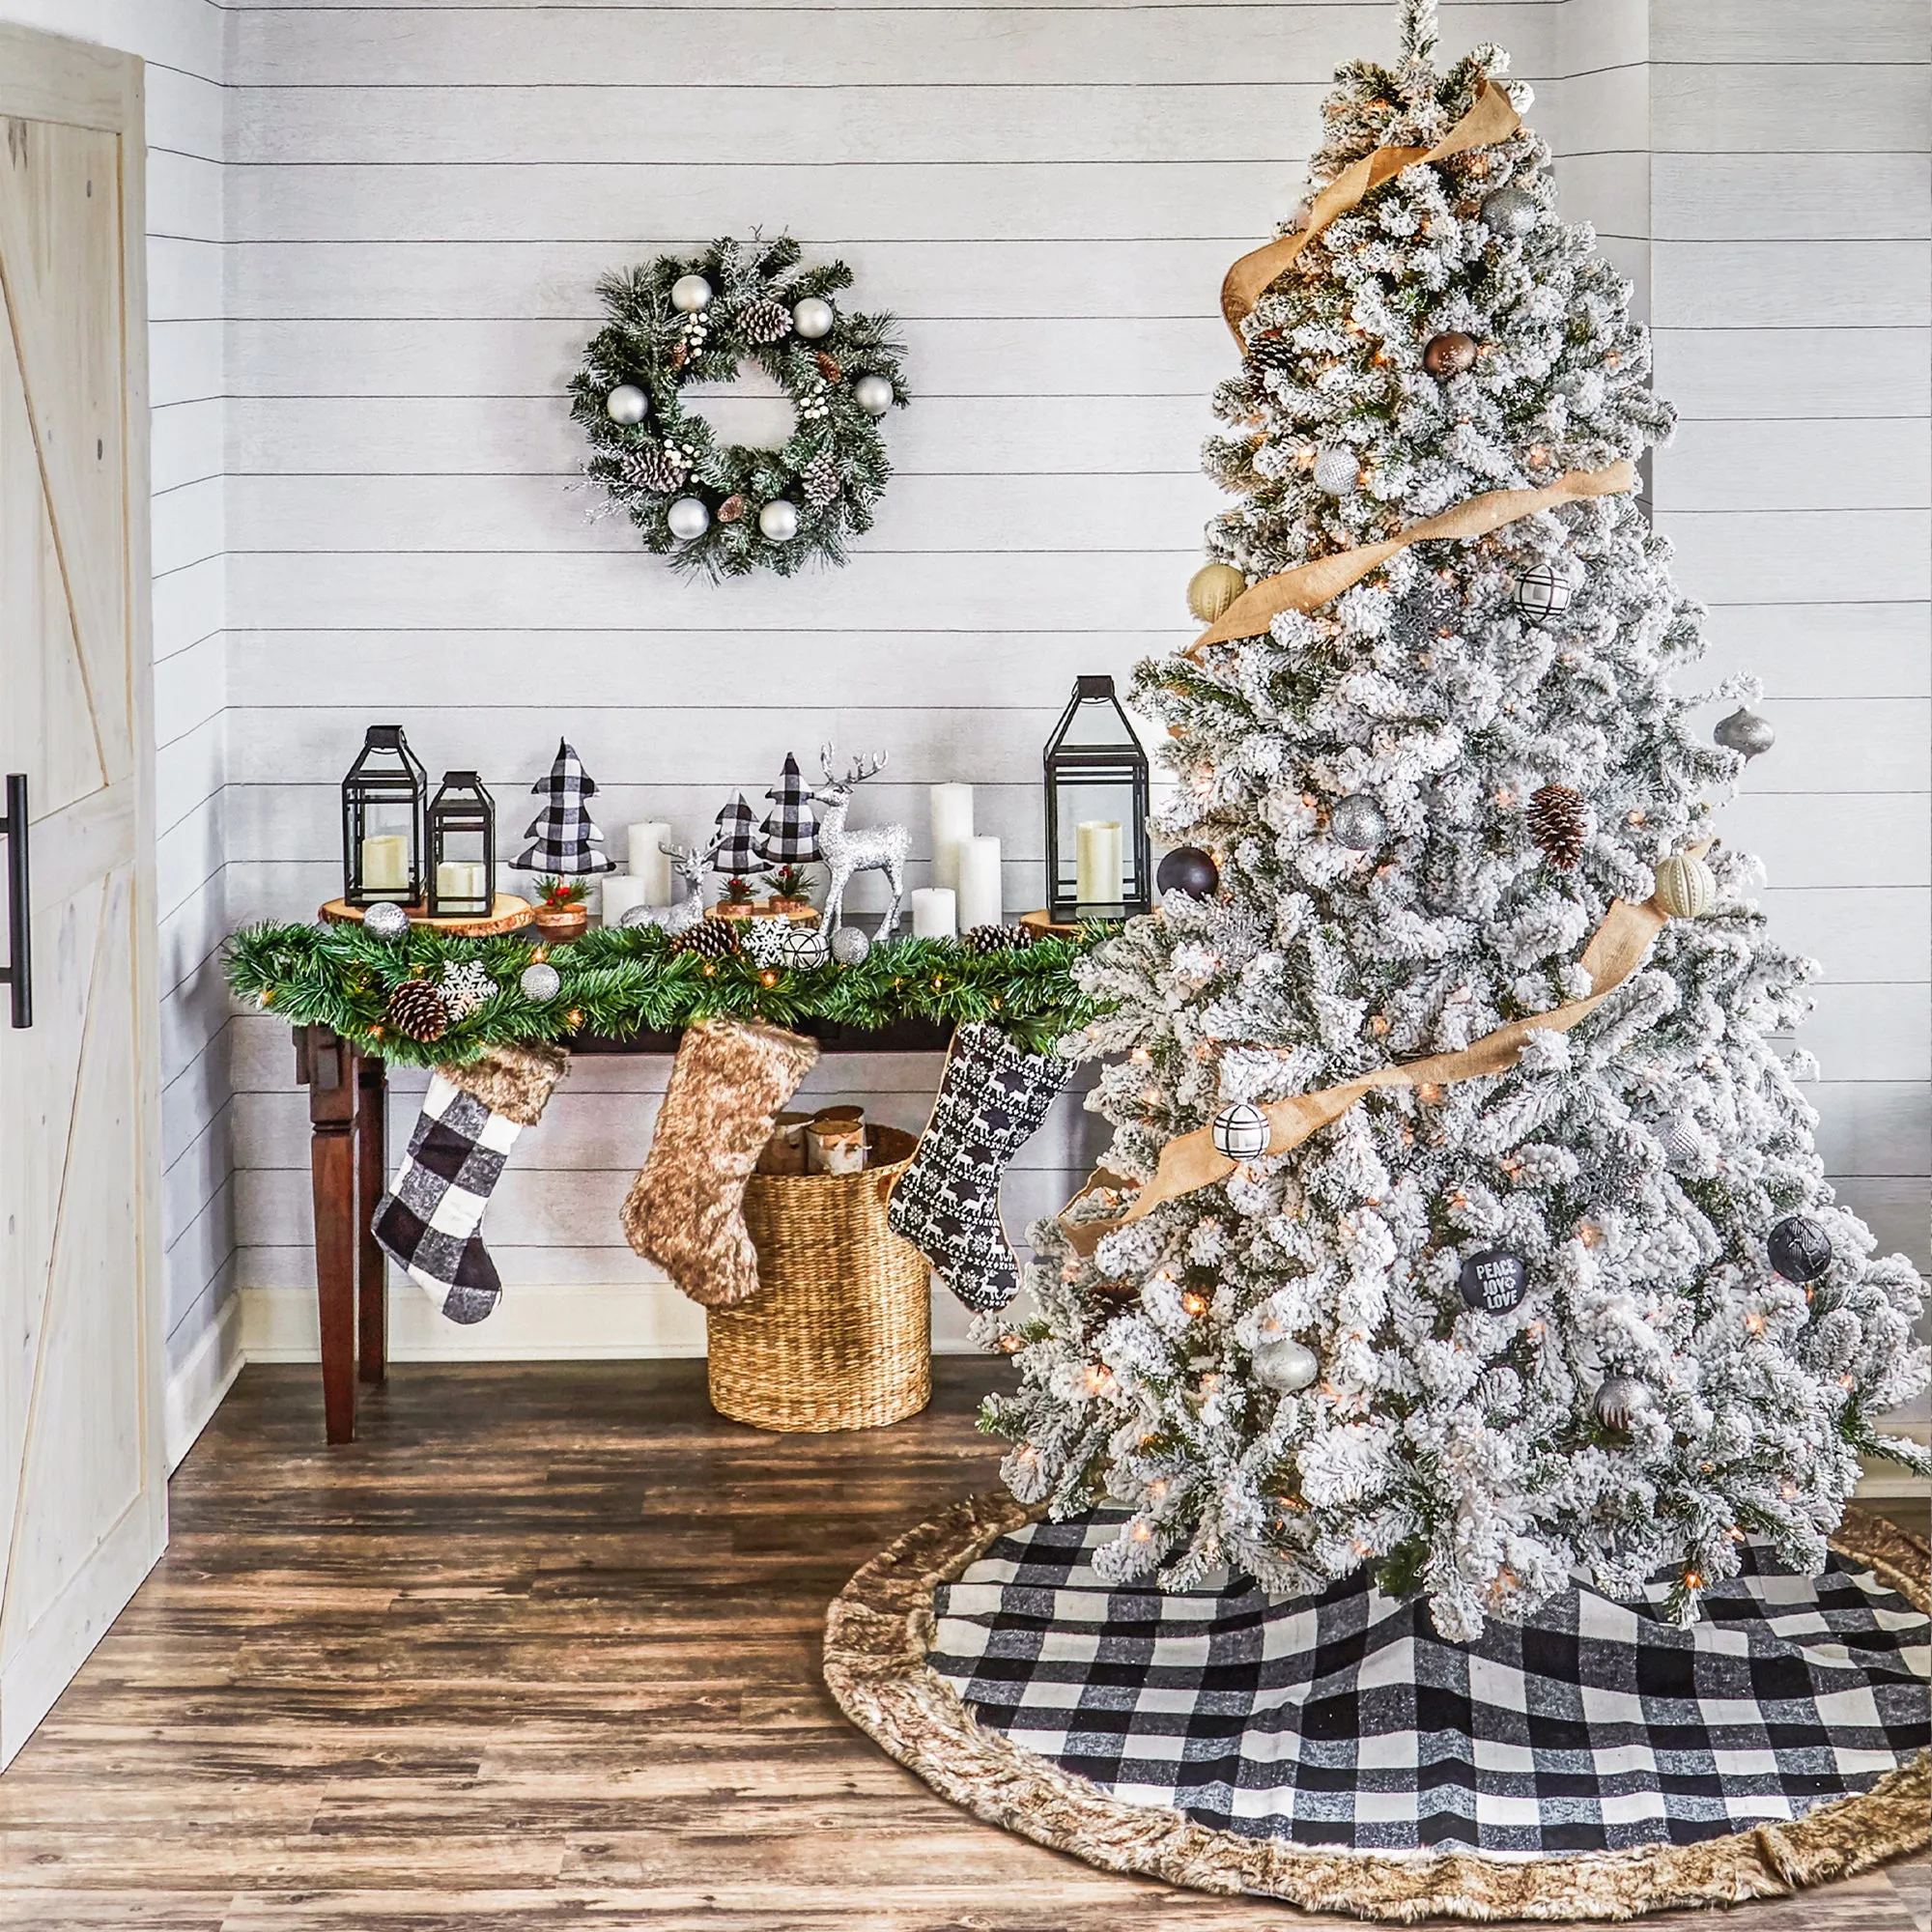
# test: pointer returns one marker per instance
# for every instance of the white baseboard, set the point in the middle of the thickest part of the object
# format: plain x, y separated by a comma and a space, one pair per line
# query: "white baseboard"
195, 1389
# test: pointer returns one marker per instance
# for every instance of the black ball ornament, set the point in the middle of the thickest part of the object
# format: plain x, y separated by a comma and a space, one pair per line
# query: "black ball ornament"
1799, 1248
1188, 869
1494, 1281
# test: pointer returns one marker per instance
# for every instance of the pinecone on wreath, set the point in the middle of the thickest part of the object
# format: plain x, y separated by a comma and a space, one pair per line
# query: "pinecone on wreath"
827, 367
652, 468
1560, 822
764, 321
417, 1012
821, 480
709, 939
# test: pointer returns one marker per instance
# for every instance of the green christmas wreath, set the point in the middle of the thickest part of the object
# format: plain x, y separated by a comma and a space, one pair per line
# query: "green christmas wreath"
727, 508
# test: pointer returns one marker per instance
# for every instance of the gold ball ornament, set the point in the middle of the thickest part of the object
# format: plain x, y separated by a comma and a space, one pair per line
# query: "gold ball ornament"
1213, 588
1685, 886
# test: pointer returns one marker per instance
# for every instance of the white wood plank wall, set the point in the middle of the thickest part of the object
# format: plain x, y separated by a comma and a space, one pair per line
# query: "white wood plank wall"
182, 43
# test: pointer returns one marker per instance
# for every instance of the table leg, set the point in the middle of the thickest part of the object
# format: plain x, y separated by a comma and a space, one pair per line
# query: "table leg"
327, 1061
372, 1286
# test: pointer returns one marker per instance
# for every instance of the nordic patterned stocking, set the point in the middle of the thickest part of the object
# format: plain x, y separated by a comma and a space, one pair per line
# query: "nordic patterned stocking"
428, 1221
991, 1102
685, 1210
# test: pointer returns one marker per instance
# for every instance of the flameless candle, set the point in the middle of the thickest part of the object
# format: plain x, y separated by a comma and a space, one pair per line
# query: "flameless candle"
981, 895
649, 864
459, 879
1097, 870
385, 862
621, 891
951, 827
932, 913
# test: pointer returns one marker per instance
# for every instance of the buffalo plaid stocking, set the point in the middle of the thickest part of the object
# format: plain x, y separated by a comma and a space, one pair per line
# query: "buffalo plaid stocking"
427, 1223
991, 1102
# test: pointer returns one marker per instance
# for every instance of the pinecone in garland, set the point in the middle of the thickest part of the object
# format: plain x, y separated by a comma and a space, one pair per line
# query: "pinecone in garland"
1560, 822
417, 1012
1270, 349
652, 468
821, 480
709, 939
764, 321
998, 938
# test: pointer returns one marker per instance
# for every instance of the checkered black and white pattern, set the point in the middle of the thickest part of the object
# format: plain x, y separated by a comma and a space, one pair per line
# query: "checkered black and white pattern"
1343, 1720
736, 840
427, 1222
565, 839
789, 835
991, 1102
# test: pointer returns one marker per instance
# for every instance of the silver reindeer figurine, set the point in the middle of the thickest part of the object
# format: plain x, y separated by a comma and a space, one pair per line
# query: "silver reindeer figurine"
880, 848
688, 862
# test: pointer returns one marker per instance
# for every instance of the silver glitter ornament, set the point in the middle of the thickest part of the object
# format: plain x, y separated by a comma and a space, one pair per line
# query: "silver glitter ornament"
1358, 823
1509, 211
850, 943
1337, 470
1620, 1400
1287, 1365
1744, 731
386, 921
1240, 1131
1680, 1143
541, 981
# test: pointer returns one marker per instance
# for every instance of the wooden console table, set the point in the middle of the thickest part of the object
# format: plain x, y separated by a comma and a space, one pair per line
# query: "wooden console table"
347, 1096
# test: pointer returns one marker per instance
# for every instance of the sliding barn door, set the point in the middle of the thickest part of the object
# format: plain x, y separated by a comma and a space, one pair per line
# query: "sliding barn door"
83, 1509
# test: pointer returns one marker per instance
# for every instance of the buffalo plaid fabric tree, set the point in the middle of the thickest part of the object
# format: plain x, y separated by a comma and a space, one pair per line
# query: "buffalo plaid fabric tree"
789, 835
565, 839
737, 856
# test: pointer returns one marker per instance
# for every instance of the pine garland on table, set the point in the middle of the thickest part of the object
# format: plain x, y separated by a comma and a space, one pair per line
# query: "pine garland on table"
631, 980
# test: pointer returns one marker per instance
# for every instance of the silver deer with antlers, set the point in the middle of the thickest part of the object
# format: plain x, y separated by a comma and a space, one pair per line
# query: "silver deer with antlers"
880, 848
688, 861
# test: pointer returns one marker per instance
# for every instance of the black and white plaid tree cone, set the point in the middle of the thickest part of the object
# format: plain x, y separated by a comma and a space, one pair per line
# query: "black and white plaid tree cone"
789, 834
429, 1220
564, 838
991, 1102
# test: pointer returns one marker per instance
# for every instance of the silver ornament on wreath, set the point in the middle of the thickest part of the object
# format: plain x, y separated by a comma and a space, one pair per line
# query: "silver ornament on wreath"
386, 921
1619, 1401
690, 294
541, 981
688, 519
1541, 592
1287, 1365
778, 520
873, 394
1338, 470
1357, 822
1510, 210
1240, 1131
625, 404
813, 318
1744, 731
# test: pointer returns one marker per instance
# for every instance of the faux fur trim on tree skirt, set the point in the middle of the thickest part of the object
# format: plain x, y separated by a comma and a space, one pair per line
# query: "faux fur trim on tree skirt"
880, 1628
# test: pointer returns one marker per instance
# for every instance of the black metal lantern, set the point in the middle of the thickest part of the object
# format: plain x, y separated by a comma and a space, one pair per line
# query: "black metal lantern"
1098, 863
383, 795
462, 849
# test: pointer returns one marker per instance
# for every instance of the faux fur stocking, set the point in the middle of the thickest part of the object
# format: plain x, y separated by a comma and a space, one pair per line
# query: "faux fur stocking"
685, 1210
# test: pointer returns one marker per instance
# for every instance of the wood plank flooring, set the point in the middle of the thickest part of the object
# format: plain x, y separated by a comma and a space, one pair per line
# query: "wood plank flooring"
541, 1652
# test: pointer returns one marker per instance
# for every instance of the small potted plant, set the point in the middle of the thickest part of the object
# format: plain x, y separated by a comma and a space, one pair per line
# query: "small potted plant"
788, 888
562, 913
738, 902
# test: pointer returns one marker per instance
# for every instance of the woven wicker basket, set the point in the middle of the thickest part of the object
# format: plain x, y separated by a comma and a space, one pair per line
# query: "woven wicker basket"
840, 1333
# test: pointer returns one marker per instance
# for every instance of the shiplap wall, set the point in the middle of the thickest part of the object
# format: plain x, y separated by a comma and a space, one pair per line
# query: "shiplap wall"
182, 43
419, 200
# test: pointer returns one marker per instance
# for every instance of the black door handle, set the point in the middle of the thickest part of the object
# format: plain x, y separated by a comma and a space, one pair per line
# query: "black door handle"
18, 972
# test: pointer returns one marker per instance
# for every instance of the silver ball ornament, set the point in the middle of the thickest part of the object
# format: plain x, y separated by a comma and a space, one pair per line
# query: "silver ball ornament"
541, 981
1745, 731
690, 293
686, 519
873, 394
1619, 1401
1285, 1365
1337, 470
850, 943
778, 521
1240, 1131
386, 921
1509, 211
1357, 822
1681, 1142
625, 404
812, 318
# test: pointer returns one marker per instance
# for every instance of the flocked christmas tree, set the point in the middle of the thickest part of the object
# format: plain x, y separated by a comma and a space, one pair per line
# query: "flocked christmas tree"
1595, 1306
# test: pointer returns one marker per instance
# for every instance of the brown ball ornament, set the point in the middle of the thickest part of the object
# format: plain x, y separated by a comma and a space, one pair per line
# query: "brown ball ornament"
1213, 588
1453, 354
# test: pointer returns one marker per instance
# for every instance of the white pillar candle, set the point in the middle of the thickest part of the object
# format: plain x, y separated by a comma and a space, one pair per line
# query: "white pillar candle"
458, 879
649, 864
932, 913
1097, 867
981, 895
622, 892
385, 862
951, 827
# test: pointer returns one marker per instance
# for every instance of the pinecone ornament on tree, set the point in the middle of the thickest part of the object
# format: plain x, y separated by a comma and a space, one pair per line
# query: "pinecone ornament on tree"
1560, 822
709, 939
416, 1010
764, 321
821, 480
652, 468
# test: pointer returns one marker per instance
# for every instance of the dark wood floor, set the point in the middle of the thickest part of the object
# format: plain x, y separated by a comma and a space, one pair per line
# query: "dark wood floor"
541, 1652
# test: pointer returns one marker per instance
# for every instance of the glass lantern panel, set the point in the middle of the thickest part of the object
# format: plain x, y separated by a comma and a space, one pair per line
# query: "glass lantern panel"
384, 842
462, 883
1093, 856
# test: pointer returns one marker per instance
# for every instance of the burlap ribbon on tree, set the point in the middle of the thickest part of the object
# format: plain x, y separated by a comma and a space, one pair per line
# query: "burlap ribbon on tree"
1188, 1161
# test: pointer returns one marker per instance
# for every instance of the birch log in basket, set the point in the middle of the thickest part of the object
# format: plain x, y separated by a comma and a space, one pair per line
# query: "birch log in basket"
840, 1333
